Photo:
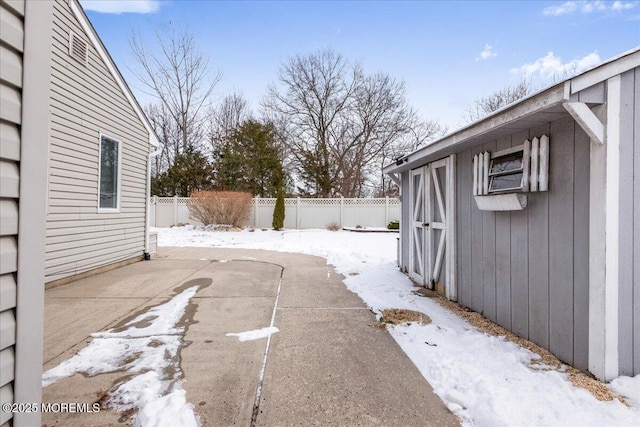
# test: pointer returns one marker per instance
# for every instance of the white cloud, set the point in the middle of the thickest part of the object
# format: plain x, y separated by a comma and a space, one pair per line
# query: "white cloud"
596, 6
551, 67
121, 6
563, 9
587, 7
487, 53
619, 6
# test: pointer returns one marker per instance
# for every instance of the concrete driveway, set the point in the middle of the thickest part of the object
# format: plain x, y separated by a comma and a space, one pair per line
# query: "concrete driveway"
326, 366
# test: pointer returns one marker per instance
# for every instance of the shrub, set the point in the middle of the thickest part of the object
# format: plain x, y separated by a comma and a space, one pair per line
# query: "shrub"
394, 225
220, 207
333, 226
278, 212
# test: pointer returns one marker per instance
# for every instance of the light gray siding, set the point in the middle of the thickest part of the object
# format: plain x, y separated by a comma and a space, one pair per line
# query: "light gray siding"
528, 270
11, 52
86, 102
629, 266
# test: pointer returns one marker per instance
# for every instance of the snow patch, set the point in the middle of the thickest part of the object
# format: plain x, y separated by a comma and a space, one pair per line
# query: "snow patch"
629, 387
145, 346
255, 334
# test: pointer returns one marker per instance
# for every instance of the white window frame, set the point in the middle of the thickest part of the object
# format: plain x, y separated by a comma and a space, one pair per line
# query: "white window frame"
534, 169
523, 160
119, 165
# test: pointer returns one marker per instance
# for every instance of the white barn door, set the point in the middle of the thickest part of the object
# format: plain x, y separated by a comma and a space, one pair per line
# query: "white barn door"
417, 234
439, 227
436, 219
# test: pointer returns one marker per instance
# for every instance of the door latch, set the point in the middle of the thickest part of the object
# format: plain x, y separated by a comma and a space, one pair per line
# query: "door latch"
425, 224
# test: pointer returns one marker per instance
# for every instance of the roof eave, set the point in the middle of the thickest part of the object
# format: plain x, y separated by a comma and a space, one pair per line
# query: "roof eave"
507, 116
511, 114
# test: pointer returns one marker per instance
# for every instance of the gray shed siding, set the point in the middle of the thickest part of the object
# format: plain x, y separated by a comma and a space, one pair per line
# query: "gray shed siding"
528, 270
405, 223
11, 53
629, 261
86, 102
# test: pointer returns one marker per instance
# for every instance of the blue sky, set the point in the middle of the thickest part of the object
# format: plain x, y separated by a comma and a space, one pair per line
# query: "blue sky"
448, 53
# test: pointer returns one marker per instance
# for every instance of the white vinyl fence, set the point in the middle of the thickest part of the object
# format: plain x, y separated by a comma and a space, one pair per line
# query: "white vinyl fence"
299, 213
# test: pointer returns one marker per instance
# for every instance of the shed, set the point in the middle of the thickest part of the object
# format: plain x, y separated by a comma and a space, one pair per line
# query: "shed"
74, 176
530, 216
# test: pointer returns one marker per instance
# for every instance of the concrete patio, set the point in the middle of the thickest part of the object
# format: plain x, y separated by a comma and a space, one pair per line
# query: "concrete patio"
326, 366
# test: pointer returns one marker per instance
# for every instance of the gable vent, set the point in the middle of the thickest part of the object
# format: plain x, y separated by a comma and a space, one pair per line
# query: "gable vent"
78, 49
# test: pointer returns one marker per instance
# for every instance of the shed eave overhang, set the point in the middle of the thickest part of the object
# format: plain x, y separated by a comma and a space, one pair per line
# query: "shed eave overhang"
542, 107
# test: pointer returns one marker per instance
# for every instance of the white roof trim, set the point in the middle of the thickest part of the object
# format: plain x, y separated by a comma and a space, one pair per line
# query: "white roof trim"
606, 70
511, 113
538, 101
111, 66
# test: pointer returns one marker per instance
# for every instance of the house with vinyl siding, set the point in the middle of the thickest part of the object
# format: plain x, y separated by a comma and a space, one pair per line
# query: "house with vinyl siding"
74, 175
531, 217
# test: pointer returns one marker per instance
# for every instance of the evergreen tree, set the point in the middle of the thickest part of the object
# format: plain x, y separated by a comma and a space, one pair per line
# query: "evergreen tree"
191, 171
250, 161
278, 211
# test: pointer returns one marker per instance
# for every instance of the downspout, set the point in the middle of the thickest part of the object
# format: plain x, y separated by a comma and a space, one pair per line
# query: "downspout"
152, 154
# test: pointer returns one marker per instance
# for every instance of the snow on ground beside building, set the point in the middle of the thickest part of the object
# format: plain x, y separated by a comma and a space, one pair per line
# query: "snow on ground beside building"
483, 379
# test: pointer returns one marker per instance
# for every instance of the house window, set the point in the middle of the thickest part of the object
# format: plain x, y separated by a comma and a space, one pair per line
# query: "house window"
109, 173
506, 172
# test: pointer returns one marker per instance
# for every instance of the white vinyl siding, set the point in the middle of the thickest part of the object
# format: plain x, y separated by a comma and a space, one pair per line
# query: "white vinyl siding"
87, 102
12, 36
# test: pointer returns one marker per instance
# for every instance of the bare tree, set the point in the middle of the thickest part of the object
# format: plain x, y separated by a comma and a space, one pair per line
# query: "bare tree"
225, 118
498, 99
317, 91
424, 132
168, 133
178, 75
339, 121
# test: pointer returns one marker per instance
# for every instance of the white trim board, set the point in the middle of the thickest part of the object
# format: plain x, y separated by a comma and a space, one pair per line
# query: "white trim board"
34, 157
604, 242
452, 248
587, 120
106, 58
609, 69
612, 226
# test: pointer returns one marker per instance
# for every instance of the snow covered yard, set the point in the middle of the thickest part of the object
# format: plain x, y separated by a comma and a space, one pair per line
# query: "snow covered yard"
483, 379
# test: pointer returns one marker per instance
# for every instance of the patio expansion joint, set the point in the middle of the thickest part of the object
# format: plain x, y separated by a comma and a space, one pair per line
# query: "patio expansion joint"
260, 385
